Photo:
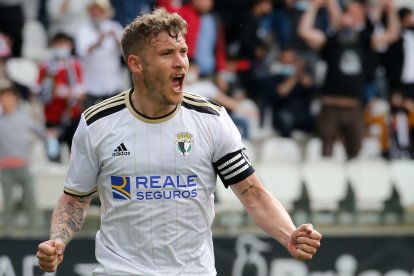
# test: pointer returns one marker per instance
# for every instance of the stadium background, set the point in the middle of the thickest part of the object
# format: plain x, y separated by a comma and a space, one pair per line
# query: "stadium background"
367, 241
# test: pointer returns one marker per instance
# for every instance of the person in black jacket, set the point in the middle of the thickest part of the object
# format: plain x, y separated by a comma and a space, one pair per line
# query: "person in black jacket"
345, 51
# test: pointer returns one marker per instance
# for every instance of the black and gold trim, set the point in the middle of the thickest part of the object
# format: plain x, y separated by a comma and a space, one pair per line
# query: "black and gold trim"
200, 104
145, 119
105, 108
76, 193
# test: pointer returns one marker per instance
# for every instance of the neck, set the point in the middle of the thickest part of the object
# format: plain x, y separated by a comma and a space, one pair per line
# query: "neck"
147, 105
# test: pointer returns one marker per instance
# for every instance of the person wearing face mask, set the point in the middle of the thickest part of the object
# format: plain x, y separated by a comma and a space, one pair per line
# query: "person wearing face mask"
97, 43
292, 95
61, 89
243, 111
344, 51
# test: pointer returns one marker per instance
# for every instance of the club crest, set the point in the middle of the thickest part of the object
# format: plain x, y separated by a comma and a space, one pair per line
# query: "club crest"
184, 143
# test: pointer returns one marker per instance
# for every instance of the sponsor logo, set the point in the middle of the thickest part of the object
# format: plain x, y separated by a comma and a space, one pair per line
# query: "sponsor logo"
121, 150
121, 187
154, 187
184, 143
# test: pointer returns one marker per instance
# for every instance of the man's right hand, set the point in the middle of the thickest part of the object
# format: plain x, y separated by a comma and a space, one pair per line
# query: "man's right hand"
50, 254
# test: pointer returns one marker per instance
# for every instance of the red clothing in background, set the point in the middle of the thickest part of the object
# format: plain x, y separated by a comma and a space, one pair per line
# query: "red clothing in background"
64, 80
193, 30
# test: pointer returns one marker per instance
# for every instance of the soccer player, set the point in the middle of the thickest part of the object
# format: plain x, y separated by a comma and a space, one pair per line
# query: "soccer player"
153, 154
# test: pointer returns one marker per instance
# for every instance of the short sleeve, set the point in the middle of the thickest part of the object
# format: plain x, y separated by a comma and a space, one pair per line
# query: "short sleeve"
81, 179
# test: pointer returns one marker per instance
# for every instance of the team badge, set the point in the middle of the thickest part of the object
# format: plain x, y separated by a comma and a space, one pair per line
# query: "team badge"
184, 143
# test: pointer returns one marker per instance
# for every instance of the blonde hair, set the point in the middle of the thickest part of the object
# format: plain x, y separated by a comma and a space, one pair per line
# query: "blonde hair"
138, 34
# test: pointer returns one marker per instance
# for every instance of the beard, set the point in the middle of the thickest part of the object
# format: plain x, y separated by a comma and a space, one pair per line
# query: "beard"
160, 90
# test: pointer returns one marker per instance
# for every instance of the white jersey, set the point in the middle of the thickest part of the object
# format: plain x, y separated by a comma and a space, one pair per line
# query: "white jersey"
155, 179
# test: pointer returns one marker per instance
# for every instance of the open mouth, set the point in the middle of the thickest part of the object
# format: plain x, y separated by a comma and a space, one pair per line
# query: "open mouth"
177, 82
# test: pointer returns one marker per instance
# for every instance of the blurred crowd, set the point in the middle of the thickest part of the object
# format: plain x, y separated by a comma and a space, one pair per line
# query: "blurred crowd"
332, 69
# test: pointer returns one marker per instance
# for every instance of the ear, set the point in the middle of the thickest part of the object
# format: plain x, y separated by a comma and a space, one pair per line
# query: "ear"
135, 64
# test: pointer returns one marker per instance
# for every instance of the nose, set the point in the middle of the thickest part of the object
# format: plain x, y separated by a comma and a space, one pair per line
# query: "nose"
181, 61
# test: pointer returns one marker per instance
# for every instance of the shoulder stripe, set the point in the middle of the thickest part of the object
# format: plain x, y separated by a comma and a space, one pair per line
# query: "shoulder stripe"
104, 111
200, 104
198, 98
119, 97
105, 108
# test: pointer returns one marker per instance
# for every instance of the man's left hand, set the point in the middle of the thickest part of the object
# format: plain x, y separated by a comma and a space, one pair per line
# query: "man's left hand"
304, 242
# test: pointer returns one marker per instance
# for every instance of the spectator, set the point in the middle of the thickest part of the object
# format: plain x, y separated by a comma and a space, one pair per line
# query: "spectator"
66, 16
16, 127
205, 37
285, 20
255, 45
407, 70
369, 19
233, 13
61, 88
294, 93
98, 45
342, 93
401, 127
11, 23
243, 111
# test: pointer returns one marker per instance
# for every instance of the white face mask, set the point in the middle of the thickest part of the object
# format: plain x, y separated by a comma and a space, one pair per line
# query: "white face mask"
287, 70
60, 52
302, 5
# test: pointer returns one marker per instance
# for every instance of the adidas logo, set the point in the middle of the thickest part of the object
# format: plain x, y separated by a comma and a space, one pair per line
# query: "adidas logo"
121, 150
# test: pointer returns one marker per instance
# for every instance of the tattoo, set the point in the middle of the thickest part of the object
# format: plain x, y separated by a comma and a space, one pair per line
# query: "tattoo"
68, 218
247, 189
60, 233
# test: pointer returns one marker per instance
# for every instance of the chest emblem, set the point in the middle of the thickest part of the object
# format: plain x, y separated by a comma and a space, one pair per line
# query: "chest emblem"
184, 143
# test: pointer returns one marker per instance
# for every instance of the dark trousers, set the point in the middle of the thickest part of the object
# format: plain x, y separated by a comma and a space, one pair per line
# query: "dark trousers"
345, 123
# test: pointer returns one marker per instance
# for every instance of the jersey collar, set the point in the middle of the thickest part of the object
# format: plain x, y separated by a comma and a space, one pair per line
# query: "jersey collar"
144, 118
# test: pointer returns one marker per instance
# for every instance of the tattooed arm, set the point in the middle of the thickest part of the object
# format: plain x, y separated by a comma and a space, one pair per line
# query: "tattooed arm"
67, 219
270, 215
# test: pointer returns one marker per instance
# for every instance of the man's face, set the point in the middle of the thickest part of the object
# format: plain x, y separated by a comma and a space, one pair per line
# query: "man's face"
165, 66
347, 33
356, 12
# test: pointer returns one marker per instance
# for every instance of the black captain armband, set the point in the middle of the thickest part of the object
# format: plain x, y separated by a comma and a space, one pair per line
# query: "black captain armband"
233, 168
